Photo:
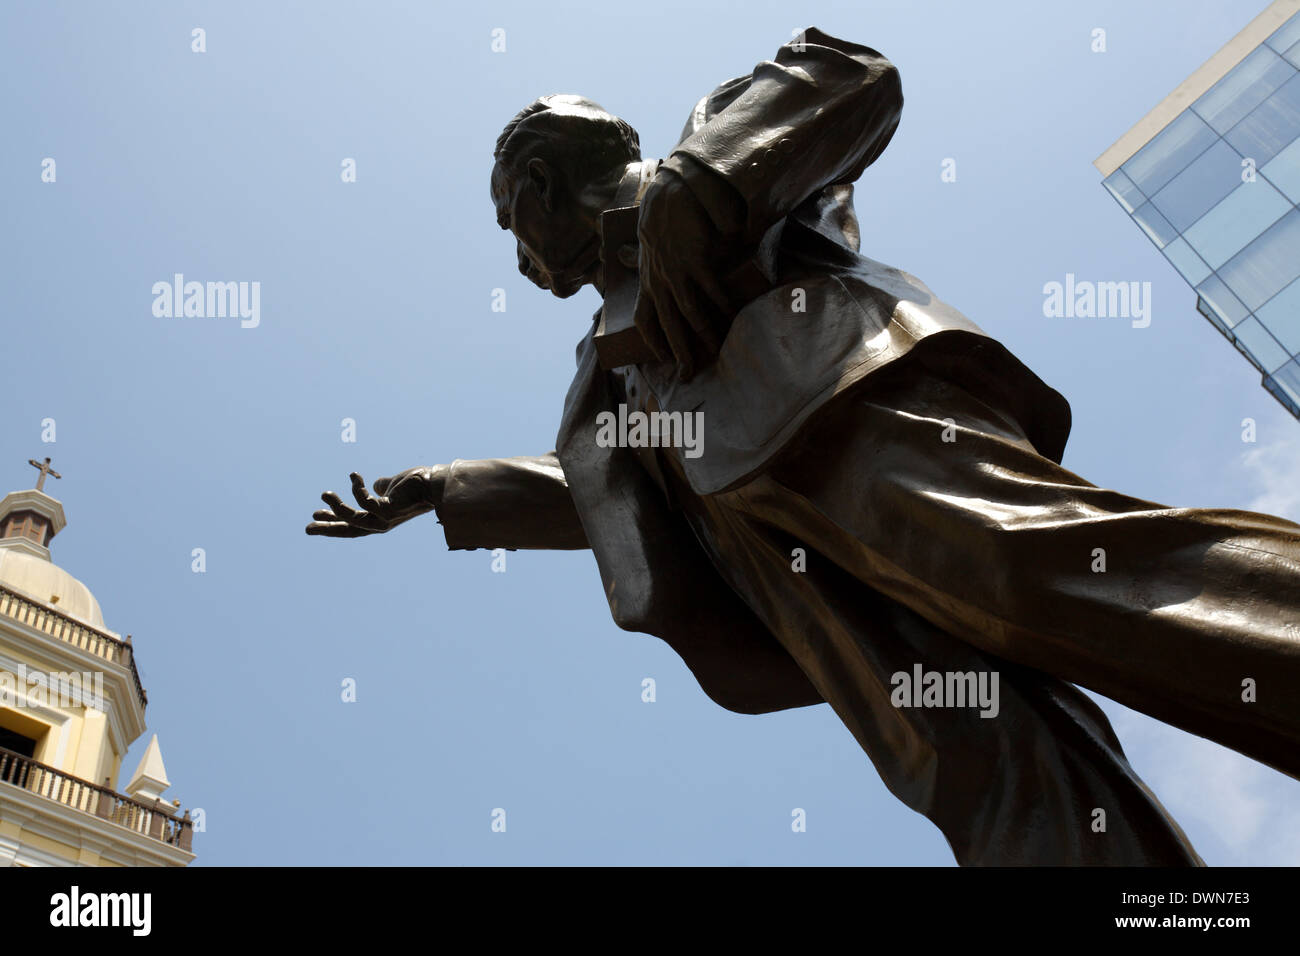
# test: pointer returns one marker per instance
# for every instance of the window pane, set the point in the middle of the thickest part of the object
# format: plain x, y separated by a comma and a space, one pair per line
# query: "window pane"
1172, 149
1285, 35
1281, 316
1246, 352
1287, 380
1187, 262
1203, 307
1271, 126
1122, 188
1248, 84
1293, 55
1154, 225
1267, 265
1224, 230
1190, 194
1268, 354
1221, 300
1283, 171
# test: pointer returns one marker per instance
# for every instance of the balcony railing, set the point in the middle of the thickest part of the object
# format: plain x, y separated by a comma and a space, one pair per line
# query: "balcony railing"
72, 631
103, 802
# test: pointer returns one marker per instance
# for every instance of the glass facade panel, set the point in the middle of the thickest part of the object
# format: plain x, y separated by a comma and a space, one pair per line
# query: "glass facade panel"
1169, 153
1281, 316
1271, 126
1220, 298
1191, 194
1293, 55
1216, 320
1287, 35
1248, 84
1223, 231
1186, 261
1236, 242
1122, 188
1246, 352
1267, 353
1267, 265
1156, 226
1283, 171
1285, 384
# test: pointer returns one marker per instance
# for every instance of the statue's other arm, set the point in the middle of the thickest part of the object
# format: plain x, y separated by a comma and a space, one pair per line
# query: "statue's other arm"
817, 116
509, 503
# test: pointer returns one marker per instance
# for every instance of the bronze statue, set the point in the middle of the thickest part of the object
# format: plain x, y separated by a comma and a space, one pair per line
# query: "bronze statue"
877, 495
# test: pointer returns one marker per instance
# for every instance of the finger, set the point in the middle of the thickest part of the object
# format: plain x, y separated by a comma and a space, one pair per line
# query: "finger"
382, 485
335, 529
323, 515
357, 519
345, 512
364, 498
647, 323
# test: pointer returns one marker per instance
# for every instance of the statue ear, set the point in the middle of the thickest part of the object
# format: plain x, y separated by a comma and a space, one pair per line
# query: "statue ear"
539, 174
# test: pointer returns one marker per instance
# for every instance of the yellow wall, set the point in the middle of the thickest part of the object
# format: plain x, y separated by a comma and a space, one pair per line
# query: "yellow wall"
88, 754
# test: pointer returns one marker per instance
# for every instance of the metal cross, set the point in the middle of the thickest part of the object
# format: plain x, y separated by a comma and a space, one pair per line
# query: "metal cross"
45, 470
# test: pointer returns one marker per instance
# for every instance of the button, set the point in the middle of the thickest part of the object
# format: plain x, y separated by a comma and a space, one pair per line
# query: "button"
785, 144
771, 157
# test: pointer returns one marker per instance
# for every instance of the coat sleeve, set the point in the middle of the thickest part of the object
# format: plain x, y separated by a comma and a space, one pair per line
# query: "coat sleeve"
816, 116
510, 503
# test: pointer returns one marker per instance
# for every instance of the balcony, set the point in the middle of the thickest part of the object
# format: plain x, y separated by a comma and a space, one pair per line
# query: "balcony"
103, 802
71, 631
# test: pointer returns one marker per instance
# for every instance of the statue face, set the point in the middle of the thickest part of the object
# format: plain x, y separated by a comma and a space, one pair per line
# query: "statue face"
558, 246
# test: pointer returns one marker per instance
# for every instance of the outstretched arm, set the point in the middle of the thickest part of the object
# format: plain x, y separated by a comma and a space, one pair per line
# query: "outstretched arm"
814, 117
508, 503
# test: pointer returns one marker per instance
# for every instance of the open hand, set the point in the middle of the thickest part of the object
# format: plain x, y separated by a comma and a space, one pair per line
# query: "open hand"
400, 498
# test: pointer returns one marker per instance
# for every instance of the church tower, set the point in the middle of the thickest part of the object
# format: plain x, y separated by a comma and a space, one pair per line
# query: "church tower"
71, 703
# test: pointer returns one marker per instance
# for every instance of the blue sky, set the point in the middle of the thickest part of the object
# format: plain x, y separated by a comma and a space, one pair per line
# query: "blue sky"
479, 690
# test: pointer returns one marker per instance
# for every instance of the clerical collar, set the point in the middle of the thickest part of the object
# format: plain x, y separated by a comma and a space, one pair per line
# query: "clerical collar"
627, 196
635, 182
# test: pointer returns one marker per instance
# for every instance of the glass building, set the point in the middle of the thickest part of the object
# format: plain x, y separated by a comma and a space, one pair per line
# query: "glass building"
1212, 176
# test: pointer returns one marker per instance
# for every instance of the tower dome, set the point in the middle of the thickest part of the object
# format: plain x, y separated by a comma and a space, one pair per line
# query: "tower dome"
28, 520
42, 580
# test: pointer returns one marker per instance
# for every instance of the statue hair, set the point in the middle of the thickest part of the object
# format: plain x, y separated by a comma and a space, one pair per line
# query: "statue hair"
573, 134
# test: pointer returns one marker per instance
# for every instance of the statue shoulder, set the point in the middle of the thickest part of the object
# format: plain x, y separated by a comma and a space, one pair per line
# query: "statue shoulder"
709, 106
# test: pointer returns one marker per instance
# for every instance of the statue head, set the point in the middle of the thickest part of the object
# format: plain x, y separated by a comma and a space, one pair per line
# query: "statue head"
558, 164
